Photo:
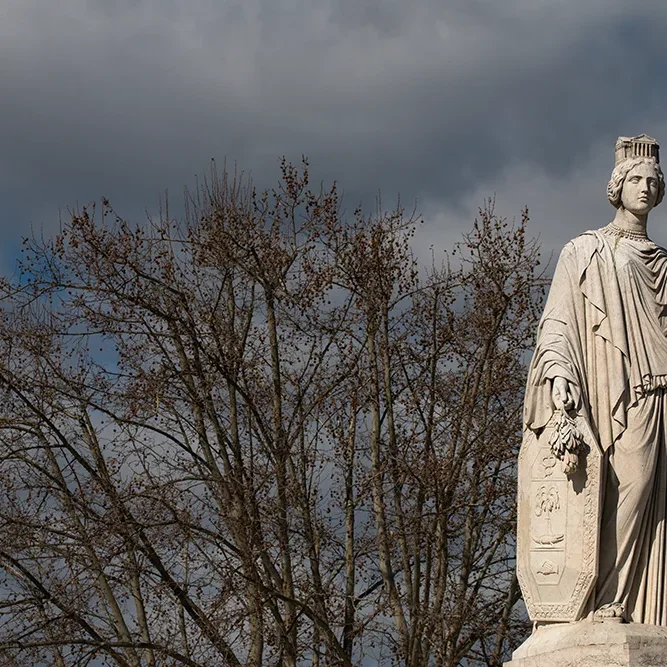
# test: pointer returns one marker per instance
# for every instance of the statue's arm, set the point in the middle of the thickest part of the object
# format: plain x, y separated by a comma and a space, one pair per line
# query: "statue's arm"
555, 374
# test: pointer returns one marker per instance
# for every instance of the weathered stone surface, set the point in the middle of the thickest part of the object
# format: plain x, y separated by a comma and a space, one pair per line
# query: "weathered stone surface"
588, 644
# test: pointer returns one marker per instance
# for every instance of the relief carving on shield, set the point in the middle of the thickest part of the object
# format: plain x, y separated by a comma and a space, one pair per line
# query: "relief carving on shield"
557, 532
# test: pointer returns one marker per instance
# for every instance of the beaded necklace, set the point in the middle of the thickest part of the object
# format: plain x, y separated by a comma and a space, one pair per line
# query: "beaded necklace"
615, 230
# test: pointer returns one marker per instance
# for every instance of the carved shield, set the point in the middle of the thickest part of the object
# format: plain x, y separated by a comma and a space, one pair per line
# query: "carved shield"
557, 532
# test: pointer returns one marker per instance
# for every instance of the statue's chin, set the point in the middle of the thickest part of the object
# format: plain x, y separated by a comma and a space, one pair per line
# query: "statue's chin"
640, 208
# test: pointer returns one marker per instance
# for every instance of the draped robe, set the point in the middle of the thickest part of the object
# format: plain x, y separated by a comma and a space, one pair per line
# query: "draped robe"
604, 329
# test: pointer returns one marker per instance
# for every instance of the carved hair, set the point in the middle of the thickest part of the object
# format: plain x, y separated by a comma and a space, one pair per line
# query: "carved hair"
615, 185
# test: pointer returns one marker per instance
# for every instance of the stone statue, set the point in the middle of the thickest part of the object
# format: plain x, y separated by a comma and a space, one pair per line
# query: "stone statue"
592, 505
601, 353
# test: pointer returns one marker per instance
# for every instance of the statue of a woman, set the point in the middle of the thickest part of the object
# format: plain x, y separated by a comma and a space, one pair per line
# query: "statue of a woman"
602, 352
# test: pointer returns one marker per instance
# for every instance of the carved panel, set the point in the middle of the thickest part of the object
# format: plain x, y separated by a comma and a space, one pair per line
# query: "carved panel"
557, 532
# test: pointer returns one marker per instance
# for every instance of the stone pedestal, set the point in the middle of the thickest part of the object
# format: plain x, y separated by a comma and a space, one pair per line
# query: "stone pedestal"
593, 644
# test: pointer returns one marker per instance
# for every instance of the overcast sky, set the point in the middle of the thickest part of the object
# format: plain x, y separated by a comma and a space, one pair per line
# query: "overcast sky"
443, 101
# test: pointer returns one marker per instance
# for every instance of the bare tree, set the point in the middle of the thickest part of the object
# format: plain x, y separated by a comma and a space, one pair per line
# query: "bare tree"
259, 436
444, 376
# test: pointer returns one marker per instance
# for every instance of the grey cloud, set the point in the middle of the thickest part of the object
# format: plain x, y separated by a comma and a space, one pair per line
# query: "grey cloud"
437, 100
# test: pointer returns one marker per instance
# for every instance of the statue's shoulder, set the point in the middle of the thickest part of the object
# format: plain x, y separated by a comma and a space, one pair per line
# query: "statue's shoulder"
582, 247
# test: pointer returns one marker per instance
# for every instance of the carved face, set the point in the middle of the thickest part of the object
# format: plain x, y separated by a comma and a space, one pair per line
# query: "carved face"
640, 189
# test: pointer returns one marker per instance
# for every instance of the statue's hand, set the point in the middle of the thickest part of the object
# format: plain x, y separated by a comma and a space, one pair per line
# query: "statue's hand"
561, 394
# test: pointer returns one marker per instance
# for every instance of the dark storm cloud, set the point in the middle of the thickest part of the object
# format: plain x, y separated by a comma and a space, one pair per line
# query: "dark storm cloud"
439, 101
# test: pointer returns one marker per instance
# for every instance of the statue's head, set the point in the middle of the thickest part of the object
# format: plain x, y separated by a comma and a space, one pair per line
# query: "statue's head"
637, 182
630, 176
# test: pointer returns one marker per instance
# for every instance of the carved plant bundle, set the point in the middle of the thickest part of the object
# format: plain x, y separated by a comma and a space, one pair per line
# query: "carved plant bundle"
567, 442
